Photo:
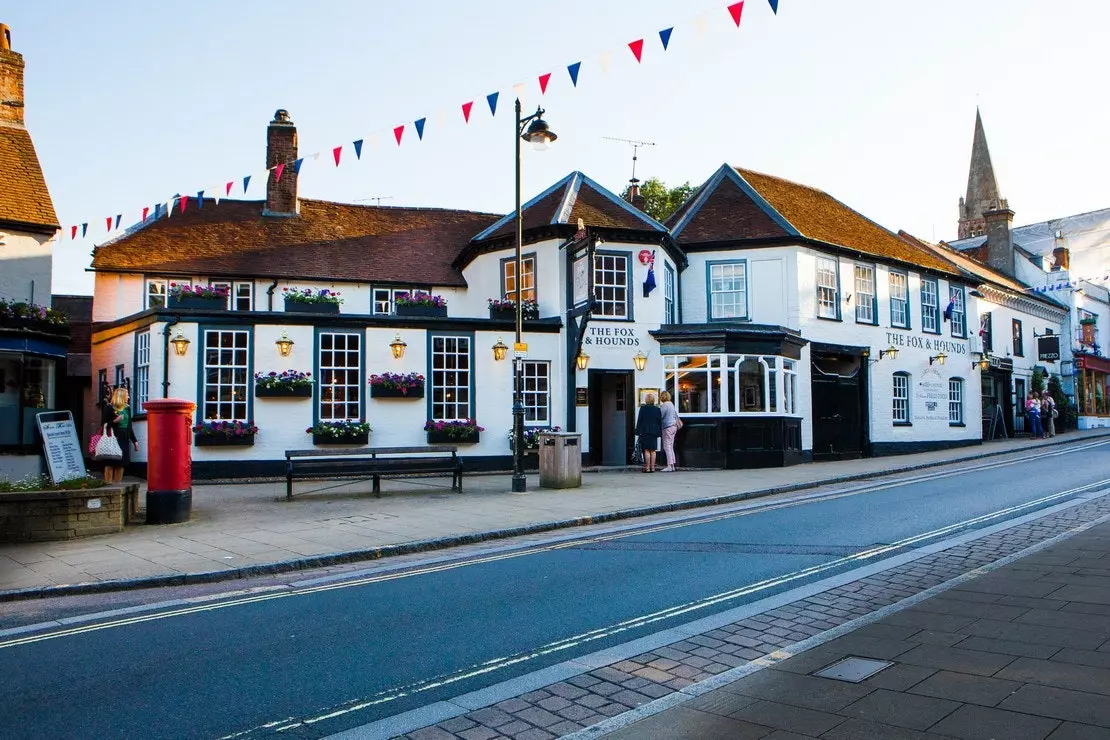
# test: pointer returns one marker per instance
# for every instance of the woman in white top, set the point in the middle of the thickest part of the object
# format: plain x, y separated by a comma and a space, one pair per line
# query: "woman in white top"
671, 425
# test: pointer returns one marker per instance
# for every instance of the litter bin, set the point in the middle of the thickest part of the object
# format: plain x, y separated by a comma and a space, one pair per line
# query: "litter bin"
169, 475
560, 460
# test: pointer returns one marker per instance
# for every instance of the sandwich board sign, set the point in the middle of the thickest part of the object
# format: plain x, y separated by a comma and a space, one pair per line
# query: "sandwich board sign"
60, 445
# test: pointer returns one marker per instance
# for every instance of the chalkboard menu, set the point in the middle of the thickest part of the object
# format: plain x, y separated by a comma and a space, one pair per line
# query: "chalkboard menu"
60, 445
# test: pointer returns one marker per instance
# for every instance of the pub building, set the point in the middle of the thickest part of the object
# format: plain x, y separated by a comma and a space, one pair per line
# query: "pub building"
786, 326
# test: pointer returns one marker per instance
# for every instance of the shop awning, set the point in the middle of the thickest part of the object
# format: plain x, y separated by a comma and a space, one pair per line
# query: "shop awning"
33, 346
1092, 362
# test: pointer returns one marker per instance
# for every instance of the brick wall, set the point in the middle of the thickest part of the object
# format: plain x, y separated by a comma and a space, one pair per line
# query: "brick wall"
60, 515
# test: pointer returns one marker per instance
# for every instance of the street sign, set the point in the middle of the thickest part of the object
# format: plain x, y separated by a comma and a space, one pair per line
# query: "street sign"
60, 444
1048, 348
520, 347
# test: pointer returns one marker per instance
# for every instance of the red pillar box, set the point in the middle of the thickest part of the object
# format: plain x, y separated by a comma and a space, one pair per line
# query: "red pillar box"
169, 475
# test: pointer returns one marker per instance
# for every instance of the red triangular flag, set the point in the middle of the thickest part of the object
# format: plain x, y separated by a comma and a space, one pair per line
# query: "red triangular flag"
337, 152
637, 48
398, 133
227, 188
544, 79
735, 10
108, 224
73, 232
146, 210
277, 172
466, 110
184, 201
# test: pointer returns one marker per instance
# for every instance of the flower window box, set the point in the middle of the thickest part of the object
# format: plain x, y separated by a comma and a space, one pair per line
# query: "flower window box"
286, 384
239, 440
340, 433
199, 297
397, 385
420, 305
266, 392
307, 300
224, 434
505, 310
453, 432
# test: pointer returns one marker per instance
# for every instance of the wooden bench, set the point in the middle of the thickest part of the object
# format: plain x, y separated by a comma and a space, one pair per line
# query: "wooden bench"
372, 462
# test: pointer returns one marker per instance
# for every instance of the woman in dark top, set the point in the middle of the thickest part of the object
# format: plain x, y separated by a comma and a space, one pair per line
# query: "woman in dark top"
123, 431
649, 426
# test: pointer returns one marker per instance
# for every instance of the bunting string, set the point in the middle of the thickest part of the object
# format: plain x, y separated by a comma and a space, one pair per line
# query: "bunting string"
178, 203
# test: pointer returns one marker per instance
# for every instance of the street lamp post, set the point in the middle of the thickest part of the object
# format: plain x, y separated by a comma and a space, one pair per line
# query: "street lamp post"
534, 130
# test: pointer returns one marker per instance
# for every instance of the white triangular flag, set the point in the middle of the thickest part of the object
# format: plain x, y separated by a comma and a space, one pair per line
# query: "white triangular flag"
605, 59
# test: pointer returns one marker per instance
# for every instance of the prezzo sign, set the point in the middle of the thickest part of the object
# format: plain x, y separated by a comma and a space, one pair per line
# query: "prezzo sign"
932, 344
1048, 348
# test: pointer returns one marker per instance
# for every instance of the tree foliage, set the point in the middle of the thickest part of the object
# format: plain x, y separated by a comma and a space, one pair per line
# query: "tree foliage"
659, 200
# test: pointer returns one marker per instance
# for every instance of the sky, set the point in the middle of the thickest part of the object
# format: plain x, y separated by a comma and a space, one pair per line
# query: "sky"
872, 101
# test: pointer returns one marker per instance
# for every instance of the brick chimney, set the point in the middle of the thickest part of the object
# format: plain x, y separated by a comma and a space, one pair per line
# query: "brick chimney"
281, 147
634, 196
11, 80
1061, 257
1000, 239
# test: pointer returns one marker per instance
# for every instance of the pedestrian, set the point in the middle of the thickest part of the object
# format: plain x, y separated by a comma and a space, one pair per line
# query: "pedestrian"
123, 431
1033, 414
649, 426
671, 425
1048, 413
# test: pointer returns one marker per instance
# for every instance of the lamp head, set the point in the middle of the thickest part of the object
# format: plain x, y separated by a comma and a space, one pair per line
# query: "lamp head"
500, 350
284, 344
397, 346
939, 358
583, 360
640, 359
539, 134
180, 344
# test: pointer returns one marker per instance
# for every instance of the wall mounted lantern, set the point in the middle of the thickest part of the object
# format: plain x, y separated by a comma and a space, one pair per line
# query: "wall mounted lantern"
583, 360
640, 359
397, 347
500, 350
180, 344
284, 344
939, 358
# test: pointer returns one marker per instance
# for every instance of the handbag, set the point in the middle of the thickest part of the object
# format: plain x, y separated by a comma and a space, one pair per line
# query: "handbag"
107, 447
678, 424
1055, 414
637, 452
92, 443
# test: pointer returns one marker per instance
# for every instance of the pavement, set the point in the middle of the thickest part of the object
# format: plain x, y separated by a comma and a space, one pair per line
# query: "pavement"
245, 529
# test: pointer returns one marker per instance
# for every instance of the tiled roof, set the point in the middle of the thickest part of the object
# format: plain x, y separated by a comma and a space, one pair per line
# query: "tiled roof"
973, 267
817, 215
720, 211
24, 198
326, 241
575, 197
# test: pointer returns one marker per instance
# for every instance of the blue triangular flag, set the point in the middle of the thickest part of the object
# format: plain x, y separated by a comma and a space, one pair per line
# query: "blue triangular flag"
246, 183
200, 199
157, 211
573, 70
665, 36
297, 165
420, 128
84, 230
492, 100
775, 6
358, 149
119, 217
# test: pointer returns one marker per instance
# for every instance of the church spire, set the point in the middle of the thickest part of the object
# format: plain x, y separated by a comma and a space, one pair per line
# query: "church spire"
982, 187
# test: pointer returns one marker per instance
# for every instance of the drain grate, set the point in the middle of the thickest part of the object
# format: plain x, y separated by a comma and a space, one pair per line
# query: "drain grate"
853, 669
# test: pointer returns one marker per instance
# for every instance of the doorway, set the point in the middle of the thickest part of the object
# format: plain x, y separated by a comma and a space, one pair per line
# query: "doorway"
612, 416
838, 407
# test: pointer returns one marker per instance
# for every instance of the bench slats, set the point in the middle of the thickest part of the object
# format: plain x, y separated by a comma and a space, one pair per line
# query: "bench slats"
373, 462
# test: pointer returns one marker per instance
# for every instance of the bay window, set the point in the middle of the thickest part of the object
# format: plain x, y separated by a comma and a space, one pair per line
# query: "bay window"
731, 384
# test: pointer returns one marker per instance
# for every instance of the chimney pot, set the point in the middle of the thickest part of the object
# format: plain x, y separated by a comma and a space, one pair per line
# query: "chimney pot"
5, 37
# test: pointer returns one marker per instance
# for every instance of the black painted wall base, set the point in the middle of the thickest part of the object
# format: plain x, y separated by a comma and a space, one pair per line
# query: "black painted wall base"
883, 449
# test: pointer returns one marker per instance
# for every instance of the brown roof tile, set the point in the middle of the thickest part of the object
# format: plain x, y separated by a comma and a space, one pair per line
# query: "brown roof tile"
727, 213
819, 216
24, 198
326, 241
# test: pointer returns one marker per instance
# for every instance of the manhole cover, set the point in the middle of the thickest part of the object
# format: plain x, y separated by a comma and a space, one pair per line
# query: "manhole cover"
853, 669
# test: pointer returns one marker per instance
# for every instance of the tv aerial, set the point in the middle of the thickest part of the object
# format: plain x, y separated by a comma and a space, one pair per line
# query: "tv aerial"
635, 144
376, 198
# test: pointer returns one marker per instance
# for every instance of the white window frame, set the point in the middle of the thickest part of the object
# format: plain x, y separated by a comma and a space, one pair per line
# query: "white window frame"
612, 294
959, 309
242, 290
508, 281
141, 391
536, 391
451, 376
232, 373
161, 283
728, 289
930, 306
828, 287
865, 295
790, 386
955, 402
899, 284
900, 398
339, 367
718, 378
385, 297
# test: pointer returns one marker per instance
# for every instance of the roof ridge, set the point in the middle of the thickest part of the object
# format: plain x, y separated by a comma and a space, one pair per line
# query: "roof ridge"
795, 183
394, 208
